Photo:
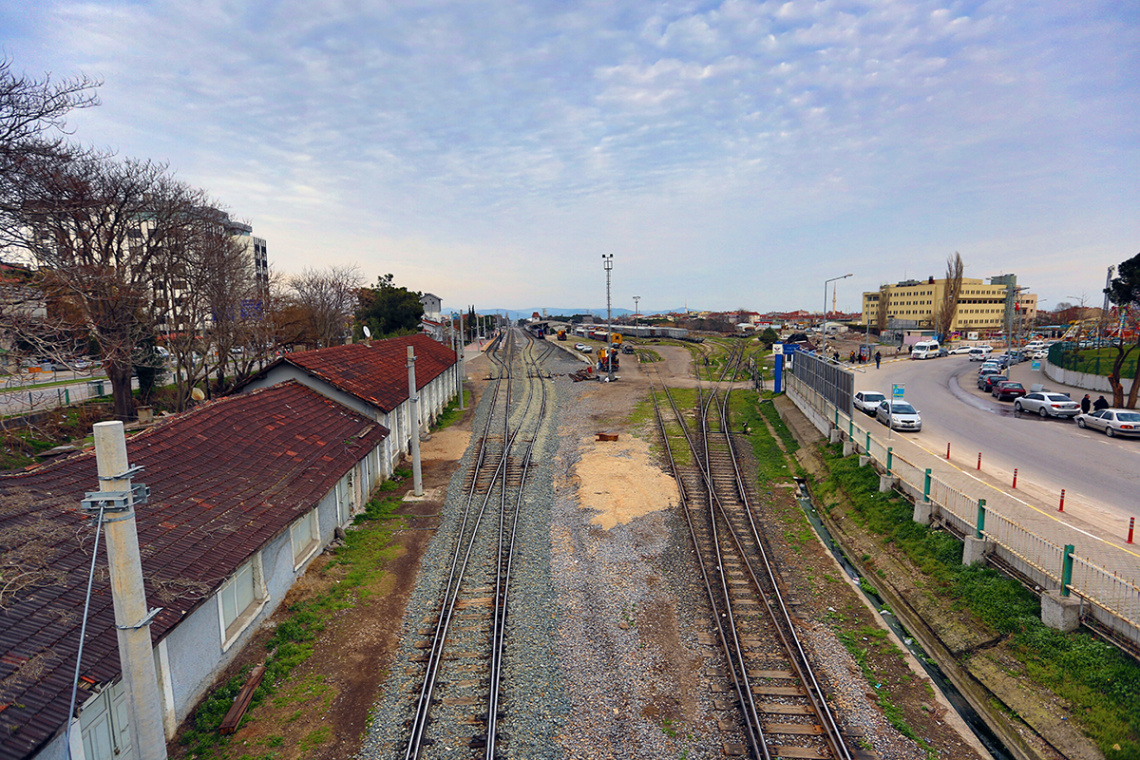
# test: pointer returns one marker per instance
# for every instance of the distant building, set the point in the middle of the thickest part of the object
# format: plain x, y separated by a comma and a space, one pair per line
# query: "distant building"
983, 308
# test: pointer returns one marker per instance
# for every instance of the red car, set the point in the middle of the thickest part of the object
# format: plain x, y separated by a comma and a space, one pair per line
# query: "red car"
1008, 390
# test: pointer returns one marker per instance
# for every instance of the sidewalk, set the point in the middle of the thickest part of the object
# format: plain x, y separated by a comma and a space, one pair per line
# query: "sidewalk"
1099, 535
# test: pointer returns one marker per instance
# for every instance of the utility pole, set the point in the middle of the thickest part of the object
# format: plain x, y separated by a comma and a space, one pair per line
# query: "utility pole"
608, 263
462, 361
115, 502
414, 422
636, 308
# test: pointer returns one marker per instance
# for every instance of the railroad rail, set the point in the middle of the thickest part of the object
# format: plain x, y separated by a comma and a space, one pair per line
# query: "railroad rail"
459, 699
782, 709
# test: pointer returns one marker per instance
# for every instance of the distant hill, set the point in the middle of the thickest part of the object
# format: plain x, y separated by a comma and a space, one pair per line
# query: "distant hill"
525, 313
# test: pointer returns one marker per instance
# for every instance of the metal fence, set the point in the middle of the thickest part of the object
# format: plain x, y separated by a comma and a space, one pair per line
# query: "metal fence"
831, 381
1113, 601
1068, 355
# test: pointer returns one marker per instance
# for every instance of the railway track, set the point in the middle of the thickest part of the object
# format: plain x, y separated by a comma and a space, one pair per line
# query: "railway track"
781, 709
459, 701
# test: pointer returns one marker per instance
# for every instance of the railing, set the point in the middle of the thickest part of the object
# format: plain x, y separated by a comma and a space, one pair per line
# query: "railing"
1112, 600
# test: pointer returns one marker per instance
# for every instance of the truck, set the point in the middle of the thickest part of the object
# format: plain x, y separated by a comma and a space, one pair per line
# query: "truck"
562, 335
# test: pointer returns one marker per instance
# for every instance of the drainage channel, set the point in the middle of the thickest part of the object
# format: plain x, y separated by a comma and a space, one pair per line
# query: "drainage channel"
988, 739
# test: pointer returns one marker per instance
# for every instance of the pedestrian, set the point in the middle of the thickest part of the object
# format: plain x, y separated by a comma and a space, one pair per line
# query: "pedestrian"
1099, 404
878, 359
1086, 404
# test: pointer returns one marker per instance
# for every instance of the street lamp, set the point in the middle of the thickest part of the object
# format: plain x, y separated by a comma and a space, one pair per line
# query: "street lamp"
608, 263
636, 308
823, 324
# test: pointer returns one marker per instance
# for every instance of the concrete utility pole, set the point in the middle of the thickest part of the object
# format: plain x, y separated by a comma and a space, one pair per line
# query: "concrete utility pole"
462, 361
608, 263
128, 595
414, 421
636, 308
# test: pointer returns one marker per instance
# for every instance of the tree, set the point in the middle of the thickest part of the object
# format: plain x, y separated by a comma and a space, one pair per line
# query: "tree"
326, 301
944, 316
89, 223
1124, 292
881, 320
389, 310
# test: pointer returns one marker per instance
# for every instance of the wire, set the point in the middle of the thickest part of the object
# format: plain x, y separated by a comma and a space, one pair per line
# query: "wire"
83, 631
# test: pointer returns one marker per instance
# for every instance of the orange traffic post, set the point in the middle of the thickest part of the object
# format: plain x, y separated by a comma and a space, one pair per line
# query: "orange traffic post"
1015, 477
979, 460
1131, 527
948, 451
1062, 507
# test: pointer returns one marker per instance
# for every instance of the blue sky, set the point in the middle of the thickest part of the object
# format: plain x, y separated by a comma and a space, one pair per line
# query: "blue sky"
727, 154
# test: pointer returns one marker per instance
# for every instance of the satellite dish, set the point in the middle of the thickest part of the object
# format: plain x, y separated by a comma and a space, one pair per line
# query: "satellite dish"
367, 332
197, 394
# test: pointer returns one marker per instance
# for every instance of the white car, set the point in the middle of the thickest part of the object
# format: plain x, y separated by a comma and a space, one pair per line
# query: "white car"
960, 350
582, 347
899, 415
1112, 422
868, 401
1047, 404
980, 353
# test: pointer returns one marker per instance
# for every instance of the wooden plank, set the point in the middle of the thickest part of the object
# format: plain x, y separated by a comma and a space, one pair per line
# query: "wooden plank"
774, 708
778, 691
797, 729
798, 753
241, 702
787, 675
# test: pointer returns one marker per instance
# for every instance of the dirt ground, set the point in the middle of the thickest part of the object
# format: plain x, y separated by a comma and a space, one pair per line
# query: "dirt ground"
321, 712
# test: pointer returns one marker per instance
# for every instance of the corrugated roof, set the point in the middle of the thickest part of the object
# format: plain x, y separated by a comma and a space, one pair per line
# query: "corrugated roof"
225, 479
376, 372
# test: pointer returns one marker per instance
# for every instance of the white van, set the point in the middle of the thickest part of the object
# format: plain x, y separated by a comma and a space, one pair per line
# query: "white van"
925, 349
980, 353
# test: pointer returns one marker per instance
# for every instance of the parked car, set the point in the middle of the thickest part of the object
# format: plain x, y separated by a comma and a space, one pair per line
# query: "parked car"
959, 350
1112, 422
868, 401
980, 353
986, 382
582, 347
1008, 390
899, 415
1046, 404
986, 372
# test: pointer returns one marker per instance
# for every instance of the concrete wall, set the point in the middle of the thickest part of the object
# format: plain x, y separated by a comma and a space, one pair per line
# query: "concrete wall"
1083, 380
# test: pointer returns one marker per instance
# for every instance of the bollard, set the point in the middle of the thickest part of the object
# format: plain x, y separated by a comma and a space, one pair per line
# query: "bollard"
948, 451
890, 458
926, 485
979, 460
1131, 527
1062, 507
1015, 477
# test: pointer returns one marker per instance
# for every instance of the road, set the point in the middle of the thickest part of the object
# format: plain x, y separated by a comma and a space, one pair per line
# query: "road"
1049, 454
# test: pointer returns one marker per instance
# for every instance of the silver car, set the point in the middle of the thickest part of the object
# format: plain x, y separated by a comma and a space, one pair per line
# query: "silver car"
1112, 422
1047, 404
899, 415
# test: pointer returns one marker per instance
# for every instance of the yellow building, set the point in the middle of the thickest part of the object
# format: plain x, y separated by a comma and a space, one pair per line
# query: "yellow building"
983, 308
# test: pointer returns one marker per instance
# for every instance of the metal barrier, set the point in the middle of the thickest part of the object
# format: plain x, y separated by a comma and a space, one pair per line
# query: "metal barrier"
1113, 601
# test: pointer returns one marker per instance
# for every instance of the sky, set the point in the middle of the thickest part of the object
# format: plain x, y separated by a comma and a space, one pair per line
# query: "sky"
727, 154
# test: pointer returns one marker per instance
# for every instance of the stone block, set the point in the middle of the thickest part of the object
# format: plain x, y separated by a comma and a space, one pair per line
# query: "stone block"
864, 459
836, 435
886, 483
1060, 612
922, 511
848, 448
973, 550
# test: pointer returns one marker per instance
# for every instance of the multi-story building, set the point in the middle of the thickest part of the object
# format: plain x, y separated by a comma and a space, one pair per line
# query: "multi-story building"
983, 308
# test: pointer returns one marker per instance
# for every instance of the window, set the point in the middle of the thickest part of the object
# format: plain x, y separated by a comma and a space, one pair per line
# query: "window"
306, 537
240, 599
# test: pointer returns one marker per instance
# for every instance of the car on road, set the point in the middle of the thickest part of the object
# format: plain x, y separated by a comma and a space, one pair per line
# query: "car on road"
1046, 404
1008, 390
868, 401
582, 347
985, 372
899, 415
986, 382
980, 353
989, 366
1112, 422
959, 350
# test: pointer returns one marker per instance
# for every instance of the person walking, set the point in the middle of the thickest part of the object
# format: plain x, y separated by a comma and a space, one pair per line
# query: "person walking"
1086, 404
1100, 403
878, 359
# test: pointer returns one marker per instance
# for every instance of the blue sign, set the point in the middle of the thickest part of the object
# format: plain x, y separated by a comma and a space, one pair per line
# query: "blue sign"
897, 390
1036, 365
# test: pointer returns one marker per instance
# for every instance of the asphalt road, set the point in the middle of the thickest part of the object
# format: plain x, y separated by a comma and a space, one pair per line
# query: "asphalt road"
1049, 454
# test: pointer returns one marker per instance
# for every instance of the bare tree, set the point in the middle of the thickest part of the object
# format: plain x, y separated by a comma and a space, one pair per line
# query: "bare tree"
944, 316
89, 224
327, 299
881, 320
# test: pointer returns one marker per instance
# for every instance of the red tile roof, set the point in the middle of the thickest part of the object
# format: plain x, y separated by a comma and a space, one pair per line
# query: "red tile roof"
225, 479
375, 372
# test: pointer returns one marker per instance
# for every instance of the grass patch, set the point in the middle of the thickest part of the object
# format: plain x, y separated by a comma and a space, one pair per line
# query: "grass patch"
358, 566
860, 643
1100, 683
745, 413
452, 413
